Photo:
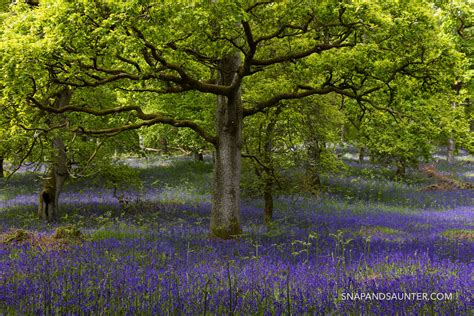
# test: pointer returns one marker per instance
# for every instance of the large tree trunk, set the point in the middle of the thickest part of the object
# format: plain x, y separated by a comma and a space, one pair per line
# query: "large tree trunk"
54, 183
47, 198
1, 167
225, 214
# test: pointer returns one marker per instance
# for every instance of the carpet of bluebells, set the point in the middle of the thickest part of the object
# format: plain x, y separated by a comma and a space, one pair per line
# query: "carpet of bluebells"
149, 251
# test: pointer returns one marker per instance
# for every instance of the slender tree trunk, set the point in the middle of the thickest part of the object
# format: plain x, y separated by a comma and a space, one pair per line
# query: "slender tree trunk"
198, 156
213, 157
451, 142
314, 178
362, 154
164, 146
313, 167
401, 169
451, 149
1, 167
268, 171
268, 198
225, 214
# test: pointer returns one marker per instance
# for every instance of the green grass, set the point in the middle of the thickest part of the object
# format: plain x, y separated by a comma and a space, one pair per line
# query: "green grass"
101, 234
459, 234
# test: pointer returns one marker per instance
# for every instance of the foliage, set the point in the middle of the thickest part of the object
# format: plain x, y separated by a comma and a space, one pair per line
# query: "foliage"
394, 46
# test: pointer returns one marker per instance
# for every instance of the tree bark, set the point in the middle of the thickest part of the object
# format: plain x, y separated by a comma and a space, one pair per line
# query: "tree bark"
268, 198
313, 166
58, 174
401, 169
47, 198
198, 156
451, 142
225, 213
268, 170
1, 167
361, 154
451, 149
54, 183
164, 146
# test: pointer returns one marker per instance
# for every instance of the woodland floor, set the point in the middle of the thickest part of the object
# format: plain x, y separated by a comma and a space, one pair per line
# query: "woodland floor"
147, 250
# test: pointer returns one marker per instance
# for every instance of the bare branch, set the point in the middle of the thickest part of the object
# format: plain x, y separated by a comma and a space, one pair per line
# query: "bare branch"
24, 157
246, 67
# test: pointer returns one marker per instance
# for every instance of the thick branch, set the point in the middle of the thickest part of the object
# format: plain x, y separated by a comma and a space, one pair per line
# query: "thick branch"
74, 108
299, 55
259, 107
157, 120
148, 119
246, 67
102, 81
257, 4
280, 33
184, 77
309, 91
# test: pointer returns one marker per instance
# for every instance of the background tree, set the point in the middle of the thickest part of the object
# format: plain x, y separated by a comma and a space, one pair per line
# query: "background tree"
320, 125
457, 18
266, 147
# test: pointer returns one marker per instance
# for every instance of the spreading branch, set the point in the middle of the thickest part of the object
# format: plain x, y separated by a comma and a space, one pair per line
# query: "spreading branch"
158, 119
274, 101
184, 78
316, 49
148, 119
